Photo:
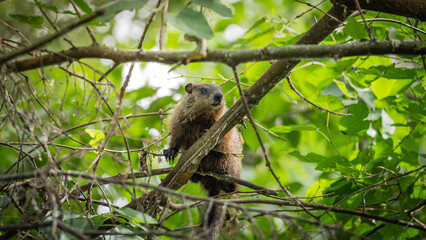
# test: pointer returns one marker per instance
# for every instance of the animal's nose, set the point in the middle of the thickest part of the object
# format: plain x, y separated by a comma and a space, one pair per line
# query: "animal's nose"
217, 98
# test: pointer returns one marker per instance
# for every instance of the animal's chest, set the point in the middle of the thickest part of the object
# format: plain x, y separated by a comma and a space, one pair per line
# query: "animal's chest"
193, 131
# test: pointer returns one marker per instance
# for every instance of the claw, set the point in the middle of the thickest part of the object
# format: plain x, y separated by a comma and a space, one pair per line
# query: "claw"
170, 154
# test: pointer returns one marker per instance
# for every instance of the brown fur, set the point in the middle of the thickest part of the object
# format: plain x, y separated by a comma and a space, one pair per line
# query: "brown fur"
194, 115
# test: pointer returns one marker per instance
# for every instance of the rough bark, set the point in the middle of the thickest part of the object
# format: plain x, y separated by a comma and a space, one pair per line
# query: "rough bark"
407, 8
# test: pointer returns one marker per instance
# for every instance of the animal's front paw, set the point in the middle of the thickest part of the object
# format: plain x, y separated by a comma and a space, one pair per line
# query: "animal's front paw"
170, 154
221, 172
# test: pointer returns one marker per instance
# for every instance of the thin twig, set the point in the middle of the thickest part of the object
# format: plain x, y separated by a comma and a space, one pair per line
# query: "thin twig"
268, 163
313, 104
51, 23
163, 25
269, 131
370, 31
89, 30
232, 202
392, 21
371, 186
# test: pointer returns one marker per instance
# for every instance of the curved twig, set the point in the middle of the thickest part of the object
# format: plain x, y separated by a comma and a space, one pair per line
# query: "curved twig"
313, 104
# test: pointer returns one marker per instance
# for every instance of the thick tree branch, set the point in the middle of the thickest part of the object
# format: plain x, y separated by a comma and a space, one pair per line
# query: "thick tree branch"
230, 57
408, 8
190, 159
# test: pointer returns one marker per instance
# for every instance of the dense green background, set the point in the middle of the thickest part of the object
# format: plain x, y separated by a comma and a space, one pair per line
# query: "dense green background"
322, 154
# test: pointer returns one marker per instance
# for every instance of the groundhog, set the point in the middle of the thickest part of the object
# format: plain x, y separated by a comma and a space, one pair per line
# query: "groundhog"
202, 106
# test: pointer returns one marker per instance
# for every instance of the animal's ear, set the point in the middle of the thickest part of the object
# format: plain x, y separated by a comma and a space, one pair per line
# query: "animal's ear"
189, 87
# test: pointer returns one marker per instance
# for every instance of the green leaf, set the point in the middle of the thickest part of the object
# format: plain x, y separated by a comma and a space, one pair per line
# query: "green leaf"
364, 157
4, 201
33, 21
256, 36
83, 6
136, 216
310, 157
355, 125
368, 98
291, 128
193, 23
77, 221
294, 186
330, 102
374, 115
98, 220
384, 87
216, 6
341, 187
257, 23
355, 29
124, 229
69, 13
342, 86
391, 72
316, 188
383, 148
49, 7
97, 135
342, 64
114, 7
322, 162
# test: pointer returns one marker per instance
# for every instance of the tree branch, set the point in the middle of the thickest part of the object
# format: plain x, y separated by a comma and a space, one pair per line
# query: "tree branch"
235, 203
190, 159
408, 8
51, 38
229, 57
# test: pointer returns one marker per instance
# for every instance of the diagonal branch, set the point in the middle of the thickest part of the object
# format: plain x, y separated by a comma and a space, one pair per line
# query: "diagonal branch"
313, 104
190, 159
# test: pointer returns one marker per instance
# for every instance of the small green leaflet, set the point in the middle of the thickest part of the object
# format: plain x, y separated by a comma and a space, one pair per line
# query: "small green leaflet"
33, 21
98, 136
216, 6
135, 216
355, 125
316, 189
83, 6
49, 7
384, 87
291, 128
257, 23
355, 29
77, 221
392, 72
193, 23
324, 163
330, 102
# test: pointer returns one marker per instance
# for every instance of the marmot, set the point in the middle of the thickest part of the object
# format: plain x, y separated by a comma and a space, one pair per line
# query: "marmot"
202, 106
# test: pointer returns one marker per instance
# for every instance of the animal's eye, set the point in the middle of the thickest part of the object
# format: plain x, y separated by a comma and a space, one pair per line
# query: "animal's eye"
203, 90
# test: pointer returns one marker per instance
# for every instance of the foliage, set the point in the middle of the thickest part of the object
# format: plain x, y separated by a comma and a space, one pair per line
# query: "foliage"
366, 169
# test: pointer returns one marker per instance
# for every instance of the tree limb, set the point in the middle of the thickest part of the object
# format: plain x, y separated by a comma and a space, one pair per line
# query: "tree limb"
408, 8
190, 159
229, 57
